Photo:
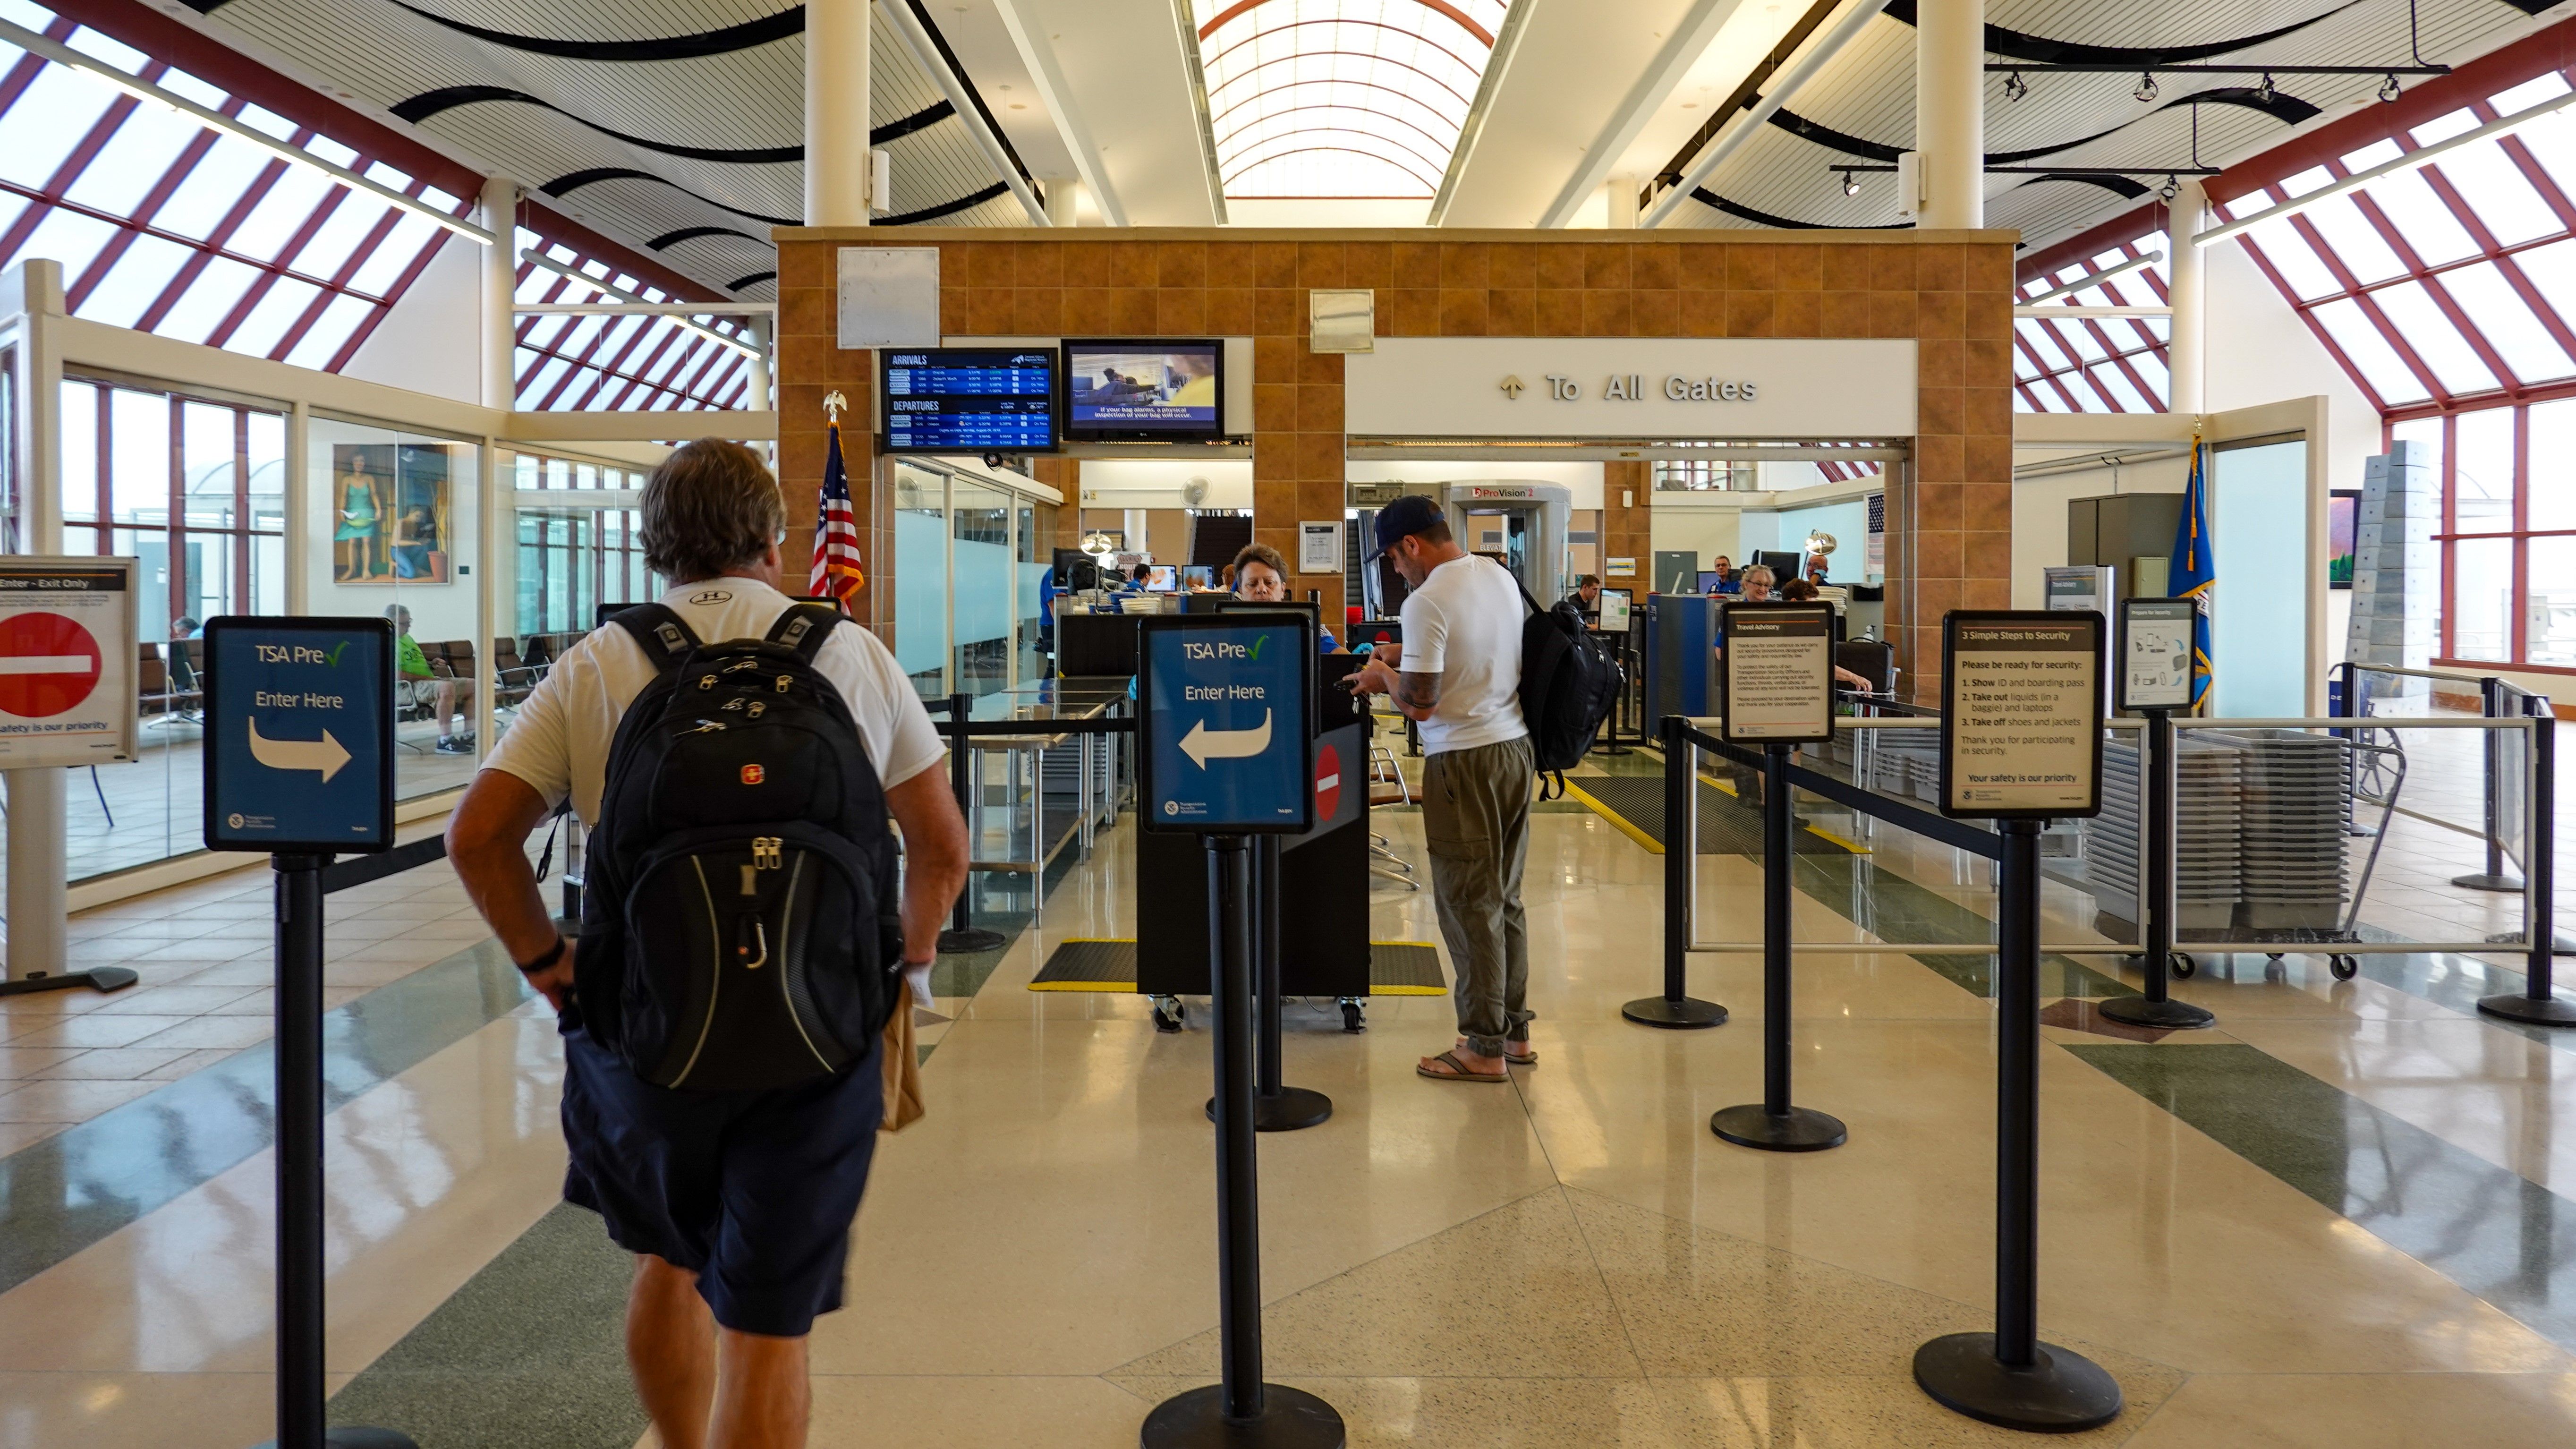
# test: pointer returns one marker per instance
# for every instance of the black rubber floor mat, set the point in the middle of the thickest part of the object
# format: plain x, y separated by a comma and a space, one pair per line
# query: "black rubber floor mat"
1727, 826
1396, 968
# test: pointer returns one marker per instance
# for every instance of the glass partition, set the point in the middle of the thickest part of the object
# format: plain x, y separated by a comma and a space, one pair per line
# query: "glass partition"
920, 568
395, 526
969, 559
980, 603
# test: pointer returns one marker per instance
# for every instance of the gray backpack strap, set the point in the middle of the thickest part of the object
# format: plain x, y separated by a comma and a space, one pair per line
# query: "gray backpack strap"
804, 628
666, 637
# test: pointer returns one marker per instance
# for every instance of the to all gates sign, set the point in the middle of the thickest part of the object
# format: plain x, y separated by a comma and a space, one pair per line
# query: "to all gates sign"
67, 657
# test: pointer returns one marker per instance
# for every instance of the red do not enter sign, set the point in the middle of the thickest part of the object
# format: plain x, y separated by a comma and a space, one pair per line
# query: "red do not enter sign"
48, 664
1328, 782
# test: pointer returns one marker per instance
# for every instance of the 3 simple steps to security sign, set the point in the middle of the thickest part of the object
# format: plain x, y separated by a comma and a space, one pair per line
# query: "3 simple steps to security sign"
1226, 711
299, 728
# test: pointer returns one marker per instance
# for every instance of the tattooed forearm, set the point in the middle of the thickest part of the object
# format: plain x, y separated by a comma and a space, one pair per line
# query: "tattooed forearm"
1417, 694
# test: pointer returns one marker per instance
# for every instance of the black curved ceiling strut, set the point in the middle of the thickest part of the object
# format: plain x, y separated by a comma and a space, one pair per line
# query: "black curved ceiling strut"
967, 202
2281, 106
746, 36
738, 283
572, 181
1707, 197
430, 103
670, 239
2018, 45
2116, 185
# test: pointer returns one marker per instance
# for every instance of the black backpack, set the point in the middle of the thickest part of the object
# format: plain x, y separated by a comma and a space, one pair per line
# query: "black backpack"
740, 919
1569, 681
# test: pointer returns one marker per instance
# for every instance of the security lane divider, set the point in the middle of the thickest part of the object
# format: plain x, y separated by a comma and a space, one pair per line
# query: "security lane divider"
1677, 1009
963, 936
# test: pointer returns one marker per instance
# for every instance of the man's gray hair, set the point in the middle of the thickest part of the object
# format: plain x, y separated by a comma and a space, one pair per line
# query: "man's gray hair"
709, 509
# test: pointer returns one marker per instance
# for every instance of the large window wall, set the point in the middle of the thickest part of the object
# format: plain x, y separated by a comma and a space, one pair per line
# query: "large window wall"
193, 487
573, 558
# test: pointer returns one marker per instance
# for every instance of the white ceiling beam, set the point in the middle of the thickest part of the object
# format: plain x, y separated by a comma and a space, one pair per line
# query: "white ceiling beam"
1038, 54
1750, 124
970, 113
1689, 40
643, 309
1498, 66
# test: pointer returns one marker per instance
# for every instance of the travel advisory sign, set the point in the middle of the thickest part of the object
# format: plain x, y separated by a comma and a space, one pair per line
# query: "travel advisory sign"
67, 655
2021, 717
1777, 666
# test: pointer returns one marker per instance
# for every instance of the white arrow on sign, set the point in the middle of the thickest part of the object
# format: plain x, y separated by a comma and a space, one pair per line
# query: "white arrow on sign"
323, 754
1202, 744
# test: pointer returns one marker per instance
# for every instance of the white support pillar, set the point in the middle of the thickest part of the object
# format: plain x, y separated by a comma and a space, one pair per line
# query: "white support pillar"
1063, 200
836, 112
500, 289
38, 902
2189, 346
756, 397
1619, 197
1950, 112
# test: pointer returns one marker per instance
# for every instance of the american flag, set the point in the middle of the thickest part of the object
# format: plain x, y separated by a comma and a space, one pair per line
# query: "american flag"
836, 532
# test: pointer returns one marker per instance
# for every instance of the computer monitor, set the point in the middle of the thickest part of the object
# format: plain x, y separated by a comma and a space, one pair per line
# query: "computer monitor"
1784, 566
1162, 579
1709, 579
1198, 576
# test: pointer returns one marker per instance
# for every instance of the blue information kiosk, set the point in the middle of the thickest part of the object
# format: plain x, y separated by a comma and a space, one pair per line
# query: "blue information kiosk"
1227, 756
299, 765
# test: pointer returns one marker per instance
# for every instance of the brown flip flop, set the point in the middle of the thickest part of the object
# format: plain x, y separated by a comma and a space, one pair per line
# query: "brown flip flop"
1526, 1058
1458, 1071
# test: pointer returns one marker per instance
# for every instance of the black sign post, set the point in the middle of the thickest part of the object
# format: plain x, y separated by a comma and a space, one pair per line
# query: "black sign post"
1776, 683
2021, 742
1276, 1106
1677, 1009
1226, 756
2155, 679
299, 764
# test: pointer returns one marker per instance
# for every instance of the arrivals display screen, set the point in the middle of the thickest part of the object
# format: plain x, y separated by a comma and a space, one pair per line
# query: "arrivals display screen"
1153, 389
969, 400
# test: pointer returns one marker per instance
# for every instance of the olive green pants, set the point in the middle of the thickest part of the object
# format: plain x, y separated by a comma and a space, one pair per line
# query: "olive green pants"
1475, 822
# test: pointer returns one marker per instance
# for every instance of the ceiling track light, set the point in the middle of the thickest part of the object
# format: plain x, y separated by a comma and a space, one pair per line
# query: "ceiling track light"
2389, 89
2263, 89
2171, 189
1851, 184
2147, 89
2015, 87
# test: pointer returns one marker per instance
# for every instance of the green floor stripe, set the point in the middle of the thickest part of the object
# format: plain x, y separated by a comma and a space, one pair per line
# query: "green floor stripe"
2495, 1233
529, 1354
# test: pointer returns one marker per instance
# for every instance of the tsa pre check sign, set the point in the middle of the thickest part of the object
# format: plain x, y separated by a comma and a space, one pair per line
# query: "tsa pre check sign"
1226, 723
299, 735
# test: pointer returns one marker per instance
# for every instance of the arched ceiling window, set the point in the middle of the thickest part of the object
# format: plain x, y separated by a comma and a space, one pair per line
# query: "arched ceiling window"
1341, 98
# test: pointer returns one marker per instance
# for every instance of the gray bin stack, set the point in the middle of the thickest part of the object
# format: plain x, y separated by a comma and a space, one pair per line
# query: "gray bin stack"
2396, 570
2208, 853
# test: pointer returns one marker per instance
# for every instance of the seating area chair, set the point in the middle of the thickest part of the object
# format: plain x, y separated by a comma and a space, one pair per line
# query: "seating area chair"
512, 676
1387, 787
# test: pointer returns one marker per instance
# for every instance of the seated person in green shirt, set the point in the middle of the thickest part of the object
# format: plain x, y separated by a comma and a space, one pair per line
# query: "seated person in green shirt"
451, 696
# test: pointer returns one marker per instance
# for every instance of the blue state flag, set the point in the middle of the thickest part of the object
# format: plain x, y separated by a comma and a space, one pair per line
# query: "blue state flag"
2193, 574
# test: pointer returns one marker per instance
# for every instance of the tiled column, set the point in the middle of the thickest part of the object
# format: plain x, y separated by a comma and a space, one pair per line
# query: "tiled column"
811, 365
1627, 529
1297, 471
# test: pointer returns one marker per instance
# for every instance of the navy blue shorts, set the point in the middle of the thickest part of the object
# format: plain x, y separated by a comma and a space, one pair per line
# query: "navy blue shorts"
751, 1191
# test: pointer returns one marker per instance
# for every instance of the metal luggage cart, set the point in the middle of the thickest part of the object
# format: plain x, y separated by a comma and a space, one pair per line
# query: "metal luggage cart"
2372, 771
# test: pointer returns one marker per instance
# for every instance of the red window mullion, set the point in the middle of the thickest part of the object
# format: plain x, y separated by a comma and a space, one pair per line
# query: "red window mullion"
410, 274
252, 194
2540, 179
260, 287
159, 196
2517, 626
2120, 359
2450, 524
2370, 210
337, 287
2369, 309
610, 371
2046, 373
94, 141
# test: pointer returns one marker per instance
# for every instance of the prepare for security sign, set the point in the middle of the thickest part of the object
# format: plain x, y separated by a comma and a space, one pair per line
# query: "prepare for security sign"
299, 735
2021, 723
1226, 738
67, 654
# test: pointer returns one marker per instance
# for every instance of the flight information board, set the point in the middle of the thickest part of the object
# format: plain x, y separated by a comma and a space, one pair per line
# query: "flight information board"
969, 400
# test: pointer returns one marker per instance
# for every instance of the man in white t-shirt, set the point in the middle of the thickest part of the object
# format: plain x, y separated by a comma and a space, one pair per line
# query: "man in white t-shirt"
1458, 676
737, 1205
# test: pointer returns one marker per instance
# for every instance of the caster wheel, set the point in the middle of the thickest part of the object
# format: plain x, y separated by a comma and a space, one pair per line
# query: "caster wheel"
2182, 966
2344, 967
1354, 1017
2272, 956
1170, 1017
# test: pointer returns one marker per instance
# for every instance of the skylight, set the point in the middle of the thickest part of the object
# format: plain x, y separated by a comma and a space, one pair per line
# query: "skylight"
1341, 98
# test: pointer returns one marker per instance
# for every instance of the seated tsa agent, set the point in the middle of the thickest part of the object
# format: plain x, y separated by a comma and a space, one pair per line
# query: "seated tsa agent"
1261, 577
1728, 580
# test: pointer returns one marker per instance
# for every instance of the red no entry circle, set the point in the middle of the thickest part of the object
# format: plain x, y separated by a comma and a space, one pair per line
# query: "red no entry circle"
1328, 782
48, 663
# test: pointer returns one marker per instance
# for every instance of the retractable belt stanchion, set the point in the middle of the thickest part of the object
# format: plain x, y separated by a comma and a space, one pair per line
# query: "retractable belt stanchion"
2495, 877
2009, 1377
2537, 1003
1276, 1106
299, 766
1218, 763
963, 936
1675, 1009
2157, 1008
1773, 1124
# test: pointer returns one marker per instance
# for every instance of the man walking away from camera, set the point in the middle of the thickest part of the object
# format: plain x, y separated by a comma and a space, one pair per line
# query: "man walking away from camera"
736, 1204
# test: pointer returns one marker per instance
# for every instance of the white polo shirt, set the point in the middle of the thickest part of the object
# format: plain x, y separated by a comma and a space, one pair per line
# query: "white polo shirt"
1464, 624
559, 740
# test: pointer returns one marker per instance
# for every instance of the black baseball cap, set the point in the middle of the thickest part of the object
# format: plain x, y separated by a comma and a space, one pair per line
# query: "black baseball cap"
1403, 518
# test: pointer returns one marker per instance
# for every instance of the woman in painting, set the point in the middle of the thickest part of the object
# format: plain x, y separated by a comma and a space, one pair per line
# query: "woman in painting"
415, 540
361, 527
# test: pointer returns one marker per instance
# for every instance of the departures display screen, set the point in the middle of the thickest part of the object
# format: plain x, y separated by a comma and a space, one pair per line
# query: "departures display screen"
970, 400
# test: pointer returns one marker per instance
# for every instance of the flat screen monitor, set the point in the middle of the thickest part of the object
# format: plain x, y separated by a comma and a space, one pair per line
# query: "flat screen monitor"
969, 399
1162, 578
1709, 579
1151, 389
1783, 565
1198, 576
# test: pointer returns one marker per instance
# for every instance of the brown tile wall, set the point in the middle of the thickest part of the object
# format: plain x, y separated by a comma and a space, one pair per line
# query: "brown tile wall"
1627, 531
1950, 535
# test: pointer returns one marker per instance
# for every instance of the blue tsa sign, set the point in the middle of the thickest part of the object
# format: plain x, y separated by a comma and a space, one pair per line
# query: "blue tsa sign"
299, 735
1227, 748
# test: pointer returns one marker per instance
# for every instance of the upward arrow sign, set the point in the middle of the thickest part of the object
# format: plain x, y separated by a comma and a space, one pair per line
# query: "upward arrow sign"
1202, 744
324, 754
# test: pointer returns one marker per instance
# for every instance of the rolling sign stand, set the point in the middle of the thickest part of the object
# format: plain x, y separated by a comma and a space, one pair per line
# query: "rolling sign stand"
2155, 679
67, 700
1228, 710
1776, 679
299, 764
2021, 743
